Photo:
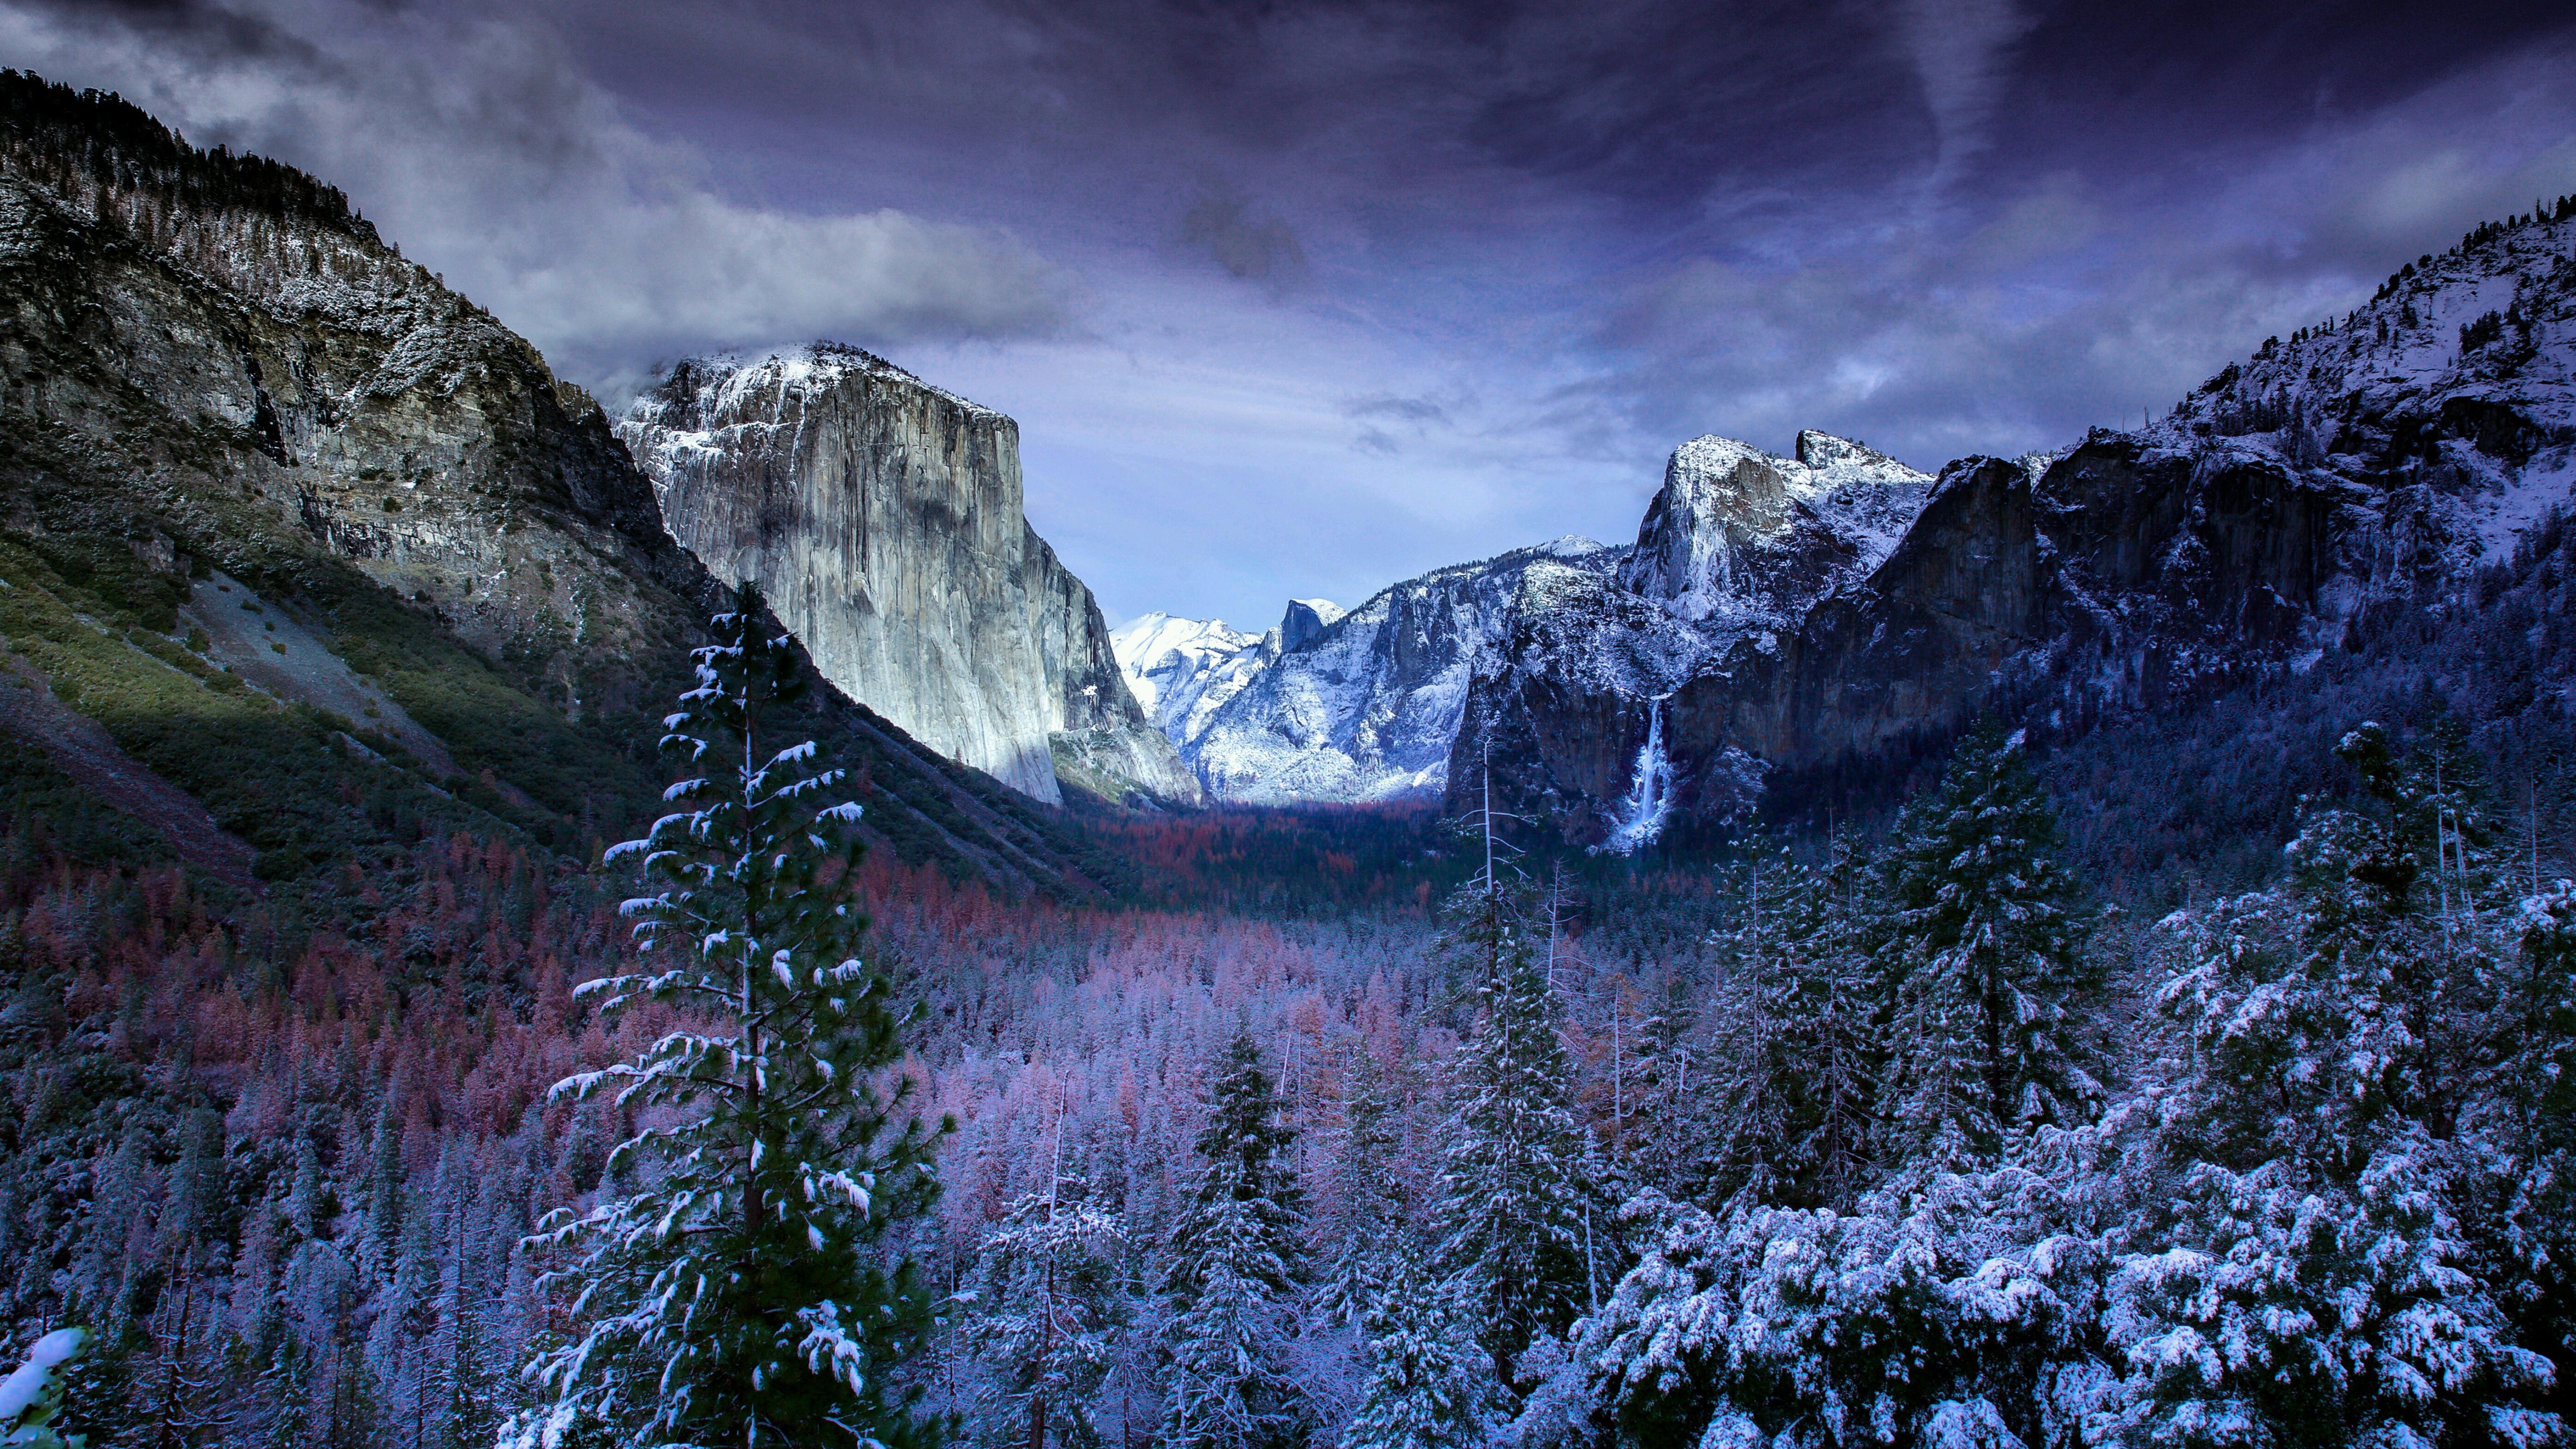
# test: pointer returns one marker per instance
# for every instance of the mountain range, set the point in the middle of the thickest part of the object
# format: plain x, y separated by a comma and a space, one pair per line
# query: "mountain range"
1784, 626
230, 399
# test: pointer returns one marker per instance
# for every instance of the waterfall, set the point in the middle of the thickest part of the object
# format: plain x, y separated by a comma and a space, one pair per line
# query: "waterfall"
1650, 793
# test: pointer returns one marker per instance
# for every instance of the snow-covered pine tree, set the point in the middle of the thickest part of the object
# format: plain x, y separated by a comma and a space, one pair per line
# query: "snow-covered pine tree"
2304, 1271
1430, 1386
1791, 1078
746, 1293
1370, 1214
2531, 1129
1234, 1273
1838, 1032
1984, 954
1518, 1217
1662, 1141
1049, 1302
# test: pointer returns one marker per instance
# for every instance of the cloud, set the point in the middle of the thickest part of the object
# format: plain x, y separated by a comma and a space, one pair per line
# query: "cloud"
1958, 48
479, 146
1257, 250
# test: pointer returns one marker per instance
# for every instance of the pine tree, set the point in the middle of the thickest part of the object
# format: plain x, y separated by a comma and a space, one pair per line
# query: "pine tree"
1792, 1071
747, 1295
1429, 1386
1517, 1209
1667, 1147
1985, 955
1234, 1274
1370, 1215
2313, 1159
1048, 1307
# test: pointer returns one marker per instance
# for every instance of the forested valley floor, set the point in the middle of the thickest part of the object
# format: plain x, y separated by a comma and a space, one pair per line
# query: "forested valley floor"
1904, 1132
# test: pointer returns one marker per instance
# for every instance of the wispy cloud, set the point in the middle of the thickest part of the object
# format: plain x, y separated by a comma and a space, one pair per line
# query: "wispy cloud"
479, 145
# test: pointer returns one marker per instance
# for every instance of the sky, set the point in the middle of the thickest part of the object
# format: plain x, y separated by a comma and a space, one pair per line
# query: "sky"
1298, 300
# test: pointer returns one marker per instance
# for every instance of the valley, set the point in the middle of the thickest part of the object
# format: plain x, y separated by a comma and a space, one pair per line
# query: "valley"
2063, 949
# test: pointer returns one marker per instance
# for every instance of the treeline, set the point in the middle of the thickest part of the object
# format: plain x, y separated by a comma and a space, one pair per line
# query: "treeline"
96, 140
1906, 1140
1936, 1152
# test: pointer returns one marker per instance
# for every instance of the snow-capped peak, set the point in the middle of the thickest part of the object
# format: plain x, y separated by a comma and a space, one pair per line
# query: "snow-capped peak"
1158, 650
1723, 498
1305, 619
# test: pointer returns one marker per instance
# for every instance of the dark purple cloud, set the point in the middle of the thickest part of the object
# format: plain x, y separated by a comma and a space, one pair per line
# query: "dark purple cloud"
1300, 298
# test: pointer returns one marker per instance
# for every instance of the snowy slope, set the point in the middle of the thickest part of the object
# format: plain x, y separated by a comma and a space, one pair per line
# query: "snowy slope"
1365, 705
1739, 534
2459, 377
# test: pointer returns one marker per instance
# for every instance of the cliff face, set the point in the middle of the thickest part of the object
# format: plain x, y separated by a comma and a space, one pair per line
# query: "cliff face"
2369, 467
1357, 706
883, 519
225, 401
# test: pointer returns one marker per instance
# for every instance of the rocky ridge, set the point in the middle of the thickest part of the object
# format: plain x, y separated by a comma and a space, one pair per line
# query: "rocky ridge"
212, 370
2367, 467
1347, 707
882, 518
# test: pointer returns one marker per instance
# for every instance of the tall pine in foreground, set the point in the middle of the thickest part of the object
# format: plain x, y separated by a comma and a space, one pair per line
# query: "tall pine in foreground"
1518, 1211
1985, 954
745, 1294
1791, 1081
1236, 1269
1429, 1386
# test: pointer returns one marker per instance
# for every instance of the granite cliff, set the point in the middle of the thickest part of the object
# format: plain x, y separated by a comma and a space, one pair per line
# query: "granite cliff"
223, 399
2367, 471
883, 519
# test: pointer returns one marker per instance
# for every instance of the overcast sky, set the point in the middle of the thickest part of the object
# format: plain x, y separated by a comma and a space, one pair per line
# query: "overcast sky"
1301, 299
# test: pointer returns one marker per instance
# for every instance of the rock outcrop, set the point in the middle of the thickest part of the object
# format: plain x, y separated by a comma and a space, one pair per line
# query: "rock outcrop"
221, 391
882, 518
1362, 706
2375, 463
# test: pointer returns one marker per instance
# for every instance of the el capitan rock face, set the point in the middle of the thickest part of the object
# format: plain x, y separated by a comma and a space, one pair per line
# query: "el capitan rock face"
225, 400
882, 518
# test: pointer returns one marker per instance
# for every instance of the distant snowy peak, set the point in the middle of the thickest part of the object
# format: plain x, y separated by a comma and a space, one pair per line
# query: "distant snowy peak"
1305, 619
1736, 531
1365, 705
1158, 651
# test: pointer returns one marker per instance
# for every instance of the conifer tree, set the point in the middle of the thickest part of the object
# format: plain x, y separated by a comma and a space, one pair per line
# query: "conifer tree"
1667, 1147
1369, 1222
1517, 1201
1049, 1304
2314, 1152
1234, 1274
1790, 1087
1984, 954
1429, 1386
746, 1293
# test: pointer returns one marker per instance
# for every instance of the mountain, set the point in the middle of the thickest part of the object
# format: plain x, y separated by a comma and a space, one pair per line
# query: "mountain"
1161, 656
324, 557
882, 518
1369, 706
1339, 707
2297, 505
